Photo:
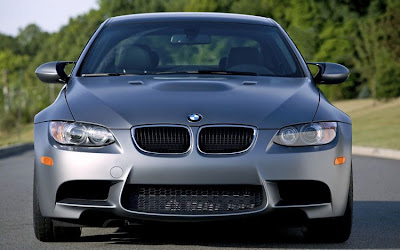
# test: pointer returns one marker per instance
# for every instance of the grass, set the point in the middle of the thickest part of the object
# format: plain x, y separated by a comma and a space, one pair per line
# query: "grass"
13, 137
375, 124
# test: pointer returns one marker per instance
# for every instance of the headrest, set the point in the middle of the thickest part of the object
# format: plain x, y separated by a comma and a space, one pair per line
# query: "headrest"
155, 59
222, 63
134, 58
244, 55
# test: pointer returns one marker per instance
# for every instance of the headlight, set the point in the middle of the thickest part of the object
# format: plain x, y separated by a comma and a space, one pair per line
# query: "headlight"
80, 134
318, 133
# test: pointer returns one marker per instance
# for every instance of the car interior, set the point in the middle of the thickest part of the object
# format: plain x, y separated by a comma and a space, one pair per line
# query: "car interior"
160, 52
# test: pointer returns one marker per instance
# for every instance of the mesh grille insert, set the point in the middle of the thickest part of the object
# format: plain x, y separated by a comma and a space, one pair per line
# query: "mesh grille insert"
163, 139
192, 200
216, 140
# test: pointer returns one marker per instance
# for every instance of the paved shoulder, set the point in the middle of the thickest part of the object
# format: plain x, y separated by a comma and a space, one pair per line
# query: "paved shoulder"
376, 179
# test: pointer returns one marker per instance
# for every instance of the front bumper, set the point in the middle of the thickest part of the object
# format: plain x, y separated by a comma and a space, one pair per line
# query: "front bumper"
121, 163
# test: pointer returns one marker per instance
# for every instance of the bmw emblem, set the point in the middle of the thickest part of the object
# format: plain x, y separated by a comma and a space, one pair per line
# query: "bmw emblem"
194, 117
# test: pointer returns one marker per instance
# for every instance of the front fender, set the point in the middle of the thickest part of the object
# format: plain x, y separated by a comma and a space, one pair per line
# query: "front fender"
327, 112
58, 110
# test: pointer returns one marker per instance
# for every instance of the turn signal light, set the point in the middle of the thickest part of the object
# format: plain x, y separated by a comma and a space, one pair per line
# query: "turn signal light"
340, 160
46, 160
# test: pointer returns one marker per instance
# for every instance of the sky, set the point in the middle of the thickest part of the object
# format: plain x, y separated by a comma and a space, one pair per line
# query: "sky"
49, 15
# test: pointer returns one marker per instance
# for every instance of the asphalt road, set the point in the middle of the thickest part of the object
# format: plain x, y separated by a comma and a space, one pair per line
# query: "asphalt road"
376, 217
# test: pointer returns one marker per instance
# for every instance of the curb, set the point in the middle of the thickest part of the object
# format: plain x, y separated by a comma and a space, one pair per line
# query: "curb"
377, 152
15, 149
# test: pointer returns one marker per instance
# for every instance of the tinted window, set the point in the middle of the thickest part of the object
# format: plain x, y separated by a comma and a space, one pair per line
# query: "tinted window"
157, 48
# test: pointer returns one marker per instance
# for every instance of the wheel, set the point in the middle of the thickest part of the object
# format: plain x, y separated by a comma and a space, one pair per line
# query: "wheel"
337, 229
44, 228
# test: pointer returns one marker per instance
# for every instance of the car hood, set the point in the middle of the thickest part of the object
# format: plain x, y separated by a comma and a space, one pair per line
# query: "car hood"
121, 102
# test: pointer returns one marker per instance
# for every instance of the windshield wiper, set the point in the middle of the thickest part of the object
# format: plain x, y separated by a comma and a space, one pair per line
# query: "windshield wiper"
174, 72
111, 74
216, 72
227, 72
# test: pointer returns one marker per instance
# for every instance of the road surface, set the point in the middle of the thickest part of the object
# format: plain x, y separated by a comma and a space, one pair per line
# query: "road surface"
376, 217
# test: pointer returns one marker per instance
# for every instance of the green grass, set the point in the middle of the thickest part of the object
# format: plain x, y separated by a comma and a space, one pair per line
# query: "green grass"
375, 124
13, 137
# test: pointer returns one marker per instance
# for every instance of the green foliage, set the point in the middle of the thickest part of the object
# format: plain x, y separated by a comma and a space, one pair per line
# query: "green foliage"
8, 122
31, 39
12, 62
364, 35
377, 50
8, 43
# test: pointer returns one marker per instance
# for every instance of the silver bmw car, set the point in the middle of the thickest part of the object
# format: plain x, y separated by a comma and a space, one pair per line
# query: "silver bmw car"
191, 117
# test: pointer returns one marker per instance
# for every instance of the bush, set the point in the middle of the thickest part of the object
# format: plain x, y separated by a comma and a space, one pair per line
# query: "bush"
8, 122
388, 82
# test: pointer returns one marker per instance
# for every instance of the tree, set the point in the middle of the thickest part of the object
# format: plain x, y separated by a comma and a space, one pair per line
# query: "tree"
31, 39
377, 52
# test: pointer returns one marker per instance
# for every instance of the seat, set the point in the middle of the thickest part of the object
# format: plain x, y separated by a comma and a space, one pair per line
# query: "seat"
243, 56
155, 59
133, 58
222, 63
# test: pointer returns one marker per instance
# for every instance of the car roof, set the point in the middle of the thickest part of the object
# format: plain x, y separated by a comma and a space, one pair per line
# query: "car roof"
191, 17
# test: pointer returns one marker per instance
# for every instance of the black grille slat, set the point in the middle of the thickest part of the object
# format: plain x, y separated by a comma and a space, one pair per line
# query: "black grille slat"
220, 139
176, 139
191, 199
163, 139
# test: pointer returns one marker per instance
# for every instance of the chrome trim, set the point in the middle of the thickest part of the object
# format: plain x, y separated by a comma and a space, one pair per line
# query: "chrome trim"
162, 125
304, 206
255, 134
84, 205
263, 184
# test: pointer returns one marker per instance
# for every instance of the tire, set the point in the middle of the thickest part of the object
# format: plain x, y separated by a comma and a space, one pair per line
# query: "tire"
335, 230
45, 230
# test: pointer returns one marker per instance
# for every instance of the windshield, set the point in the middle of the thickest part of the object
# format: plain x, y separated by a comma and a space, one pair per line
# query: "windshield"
190, 48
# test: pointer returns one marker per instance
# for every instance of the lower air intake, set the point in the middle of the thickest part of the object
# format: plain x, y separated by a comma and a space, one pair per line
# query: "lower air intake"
192, 200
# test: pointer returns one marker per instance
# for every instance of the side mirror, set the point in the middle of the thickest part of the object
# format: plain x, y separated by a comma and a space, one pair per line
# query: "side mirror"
53, 72
330, 73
